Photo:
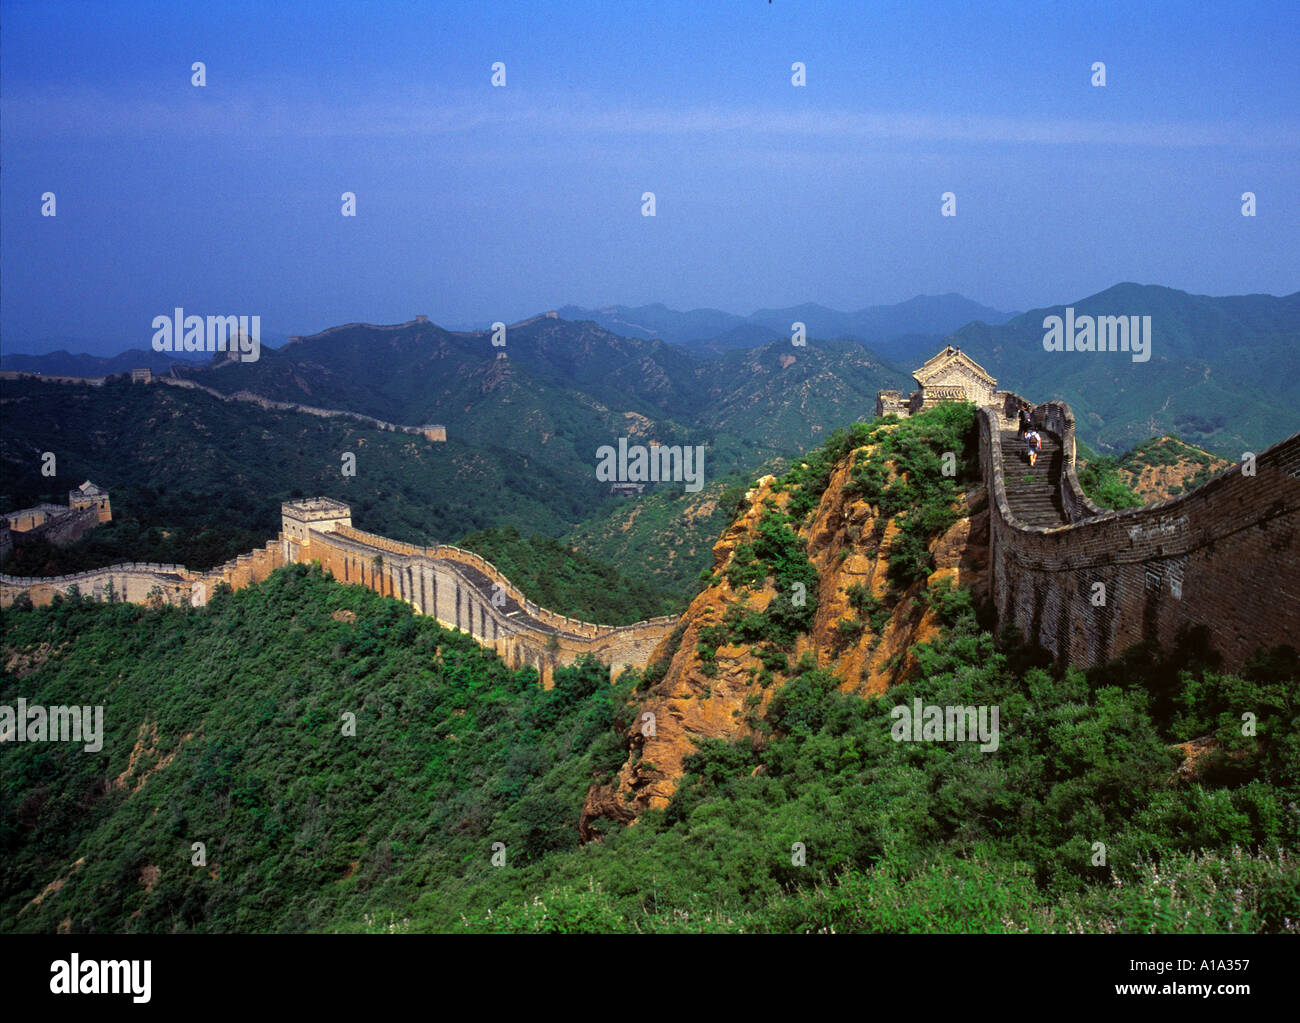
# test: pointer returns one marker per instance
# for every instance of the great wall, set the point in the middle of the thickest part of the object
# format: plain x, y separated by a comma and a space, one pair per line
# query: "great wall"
1086, 583
1089, 583
429, 431
457, 587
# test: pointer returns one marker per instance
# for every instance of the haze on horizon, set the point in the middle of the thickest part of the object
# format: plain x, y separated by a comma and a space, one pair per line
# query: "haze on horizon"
478, 203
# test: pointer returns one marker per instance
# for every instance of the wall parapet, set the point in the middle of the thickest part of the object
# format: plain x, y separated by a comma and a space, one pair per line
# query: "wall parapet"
1224, 555
448, 552
91, 573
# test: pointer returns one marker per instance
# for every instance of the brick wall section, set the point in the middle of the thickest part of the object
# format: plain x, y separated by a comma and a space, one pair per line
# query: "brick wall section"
435, 581
131, 582
1226, 555
67, 528
430, 431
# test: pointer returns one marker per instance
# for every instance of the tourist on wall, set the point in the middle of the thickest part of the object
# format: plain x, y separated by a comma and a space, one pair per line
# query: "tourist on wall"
1026, 420
1034, 441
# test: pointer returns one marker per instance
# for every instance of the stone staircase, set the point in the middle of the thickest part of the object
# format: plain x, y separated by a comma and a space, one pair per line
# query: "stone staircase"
1032, 494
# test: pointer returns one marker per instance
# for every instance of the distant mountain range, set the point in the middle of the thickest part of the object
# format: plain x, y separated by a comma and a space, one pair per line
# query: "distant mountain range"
1224, 373
712, 331
904, 326
64, 363
524, 421
558, 390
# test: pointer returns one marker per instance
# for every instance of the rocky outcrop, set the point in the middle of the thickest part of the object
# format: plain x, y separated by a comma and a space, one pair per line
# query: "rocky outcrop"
849, 544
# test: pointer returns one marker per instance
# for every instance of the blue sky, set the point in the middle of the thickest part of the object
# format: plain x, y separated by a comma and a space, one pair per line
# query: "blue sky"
478, 203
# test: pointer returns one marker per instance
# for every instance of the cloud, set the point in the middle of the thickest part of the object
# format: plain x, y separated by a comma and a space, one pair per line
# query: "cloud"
287, 113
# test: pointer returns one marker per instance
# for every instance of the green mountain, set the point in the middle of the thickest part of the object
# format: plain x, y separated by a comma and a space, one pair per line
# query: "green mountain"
212, 474
1164, 467
665, 538
564, 578
523, 432
711, 331
159, 449
64, 363
559, 390
454, 802
1221, 374
227, 728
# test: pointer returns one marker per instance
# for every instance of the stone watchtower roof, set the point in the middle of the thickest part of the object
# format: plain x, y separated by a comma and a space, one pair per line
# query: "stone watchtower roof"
89, 489
944, 360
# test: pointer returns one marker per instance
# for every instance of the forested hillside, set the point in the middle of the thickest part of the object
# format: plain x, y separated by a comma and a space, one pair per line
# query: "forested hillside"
557, 576
226, 726
159, 449
197, 481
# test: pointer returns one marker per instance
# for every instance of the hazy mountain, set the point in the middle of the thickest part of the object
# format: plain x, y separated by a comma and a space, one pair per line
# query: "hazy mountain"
925, 314
1221, 374
710, 331
558, 390
657, 321
63, 363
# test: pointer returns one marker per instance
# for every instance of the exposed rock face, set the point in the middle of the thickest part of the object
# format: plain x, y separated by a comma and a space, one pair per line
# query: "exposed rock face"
848, 544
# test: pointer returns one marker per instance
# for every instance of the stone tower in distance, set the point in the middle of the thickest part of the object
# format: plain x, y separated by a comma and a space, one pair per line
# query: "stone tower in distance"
89, 496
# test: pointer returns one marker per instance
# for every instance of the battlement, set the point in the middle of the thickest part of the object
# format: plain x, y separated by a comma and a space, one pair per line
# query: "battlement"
315, 508
1224, 556
87, 507
951, 375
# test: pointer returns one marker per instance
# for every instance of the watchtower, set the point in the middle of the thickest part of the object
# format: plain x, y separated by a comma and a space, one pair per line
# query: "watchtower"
299, 518
89, 496
952, 375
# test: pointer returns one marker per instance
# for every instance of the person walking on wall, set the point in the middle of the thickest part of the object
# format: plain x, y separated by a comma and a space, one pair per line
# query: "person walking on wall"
1034, 442
1026, 423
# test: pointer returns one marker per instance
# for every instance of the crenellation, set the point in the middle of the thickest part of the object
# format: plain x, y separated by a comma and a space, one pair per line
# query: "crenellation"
1193, 559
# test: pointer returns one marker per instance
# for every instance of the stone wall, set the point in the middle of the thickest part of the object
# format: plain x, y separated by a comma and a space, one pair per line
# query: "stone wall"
454, 586
1226, 556
428, 432
432, 432
437, 582
136, 582
253, 567
54, 523
132, 582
